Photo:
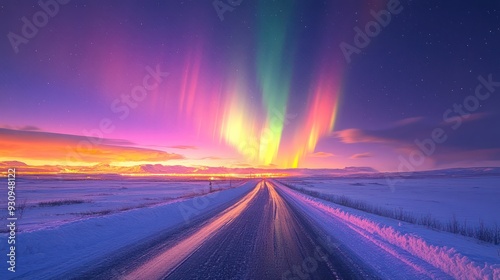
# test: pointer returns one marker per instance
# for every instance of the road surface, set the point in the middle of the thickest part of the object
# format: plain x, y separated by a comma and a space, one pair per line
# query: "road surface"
259, 237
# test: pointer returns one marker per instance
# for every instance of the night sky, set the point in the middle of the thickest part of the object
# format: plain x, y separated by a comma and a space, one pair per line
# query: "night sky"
264, 83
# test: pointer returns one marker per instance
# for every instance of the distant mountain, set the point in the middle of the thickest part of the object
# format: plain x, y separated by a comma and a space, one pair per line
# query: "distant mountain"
460, 172
332, 172
447, 173
159, 169
13, 163
354, 169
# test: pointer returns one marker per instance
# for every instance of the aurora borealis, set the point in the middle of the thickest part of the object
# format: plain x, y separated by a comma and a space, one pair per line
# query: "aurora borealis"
268, 86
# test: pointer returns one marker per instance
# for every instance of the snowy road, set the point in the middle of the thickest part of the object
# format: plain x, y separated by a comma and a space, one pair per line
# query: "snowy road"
259, 237
267, 240
272, 232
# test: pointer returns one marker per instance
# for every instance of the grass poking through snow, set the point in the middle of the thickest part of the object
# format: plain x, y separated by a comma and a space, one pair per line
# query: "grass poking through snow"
61, 202
481, 232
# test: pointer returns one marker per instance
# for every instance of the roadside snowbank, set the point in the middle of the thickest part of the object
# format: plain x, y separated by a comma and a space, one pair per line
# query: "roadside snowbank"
45, 253
384, 233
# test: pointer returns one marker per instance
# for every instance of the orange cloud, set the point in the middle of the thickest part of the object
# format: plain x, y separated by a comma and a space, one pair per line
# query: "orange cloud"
361, 155
184, 147
353, 135
321, 154
67, 149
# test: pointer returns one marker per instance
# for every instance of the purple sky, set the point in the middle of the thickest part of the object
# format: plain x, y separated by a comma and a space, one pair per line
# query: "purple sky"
268, 85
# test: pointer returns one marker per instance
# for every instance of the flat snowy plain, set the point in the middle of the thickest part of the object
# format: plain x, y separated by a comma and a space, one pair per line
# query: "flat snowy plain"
101, 217
470, 199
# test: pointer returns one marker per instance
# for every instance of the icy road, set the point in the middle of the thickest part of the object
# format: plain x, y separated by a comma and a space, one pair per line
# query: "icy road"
263, 239
274, 233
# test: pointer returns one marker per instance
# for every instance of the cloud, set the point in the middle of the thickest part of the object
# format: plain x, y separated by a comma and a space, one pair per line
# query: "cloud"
211, 158
361, 155
271, 165
24, 128
242, 165
30, 128
409, 121
51, 136
473, 138
73, 149
401, 131
352, 135
480, 131
184, 147
321, 155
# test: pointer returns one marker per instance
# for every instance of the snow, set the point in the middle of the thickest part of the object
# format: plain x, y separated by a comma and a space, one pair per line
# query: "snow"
469, 199
57, 239
97, 197
47, 252
428, 251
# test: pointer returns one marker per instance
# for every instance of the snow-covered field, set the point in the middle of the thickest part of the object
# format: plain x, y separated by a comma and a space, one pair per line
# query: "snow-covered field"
469, 199
457, 256
47, 252
68, 224
49, 202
